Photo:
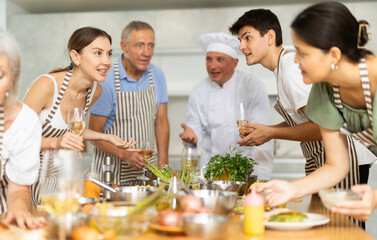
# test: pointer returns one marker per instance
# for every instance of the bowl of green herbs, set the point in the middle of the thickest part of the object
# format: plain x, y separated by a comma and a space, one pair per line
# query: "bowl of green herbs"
232, 166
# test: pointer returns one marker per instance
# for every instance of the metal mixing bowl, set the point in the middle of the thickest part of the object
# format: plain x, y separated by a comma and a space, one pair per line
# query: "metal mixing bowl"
218, 202
131, 195
231, 186
207, 226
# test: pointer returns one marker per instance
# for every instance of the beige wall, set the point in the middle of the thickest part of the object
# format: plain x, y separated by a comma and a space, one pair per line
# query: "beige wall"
43, 39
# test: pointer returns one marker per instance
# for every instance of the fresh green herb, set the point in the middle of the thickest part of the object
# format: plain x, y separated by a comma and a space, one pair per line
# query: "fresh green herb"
237, 165
184, 175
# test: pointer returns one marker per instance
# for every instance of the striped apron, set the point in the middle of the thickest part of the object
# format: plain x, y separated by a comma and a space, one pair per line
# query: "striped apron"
3, 178
135, 117
365, 135
49, 167
314, 151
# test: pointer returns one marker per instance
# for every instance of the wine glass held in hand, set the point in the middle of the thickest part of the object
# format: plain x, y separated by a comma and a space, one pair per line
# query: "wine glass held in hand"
76, 120
146, 150
241, 117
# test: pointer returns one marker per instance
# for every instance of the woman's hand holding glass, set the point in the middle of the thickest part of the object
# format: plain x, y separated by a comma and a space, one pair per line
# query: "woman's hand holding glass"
70, 141
362, 209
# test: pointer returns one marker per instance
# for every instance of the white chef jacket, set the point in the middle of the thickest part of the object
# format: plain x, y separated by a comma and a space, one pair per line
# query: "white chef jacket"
213, 112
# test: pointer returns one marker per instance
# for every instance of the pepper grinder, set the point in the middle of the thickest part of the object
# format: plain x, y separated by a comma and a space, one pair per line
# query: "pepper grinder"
108, 175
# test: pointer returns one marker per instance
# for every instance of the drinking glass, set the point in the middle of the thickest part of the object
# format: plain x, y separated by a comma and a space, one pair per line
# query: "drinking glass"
146, 152
76, 122
60, 193
189, 157
241, 116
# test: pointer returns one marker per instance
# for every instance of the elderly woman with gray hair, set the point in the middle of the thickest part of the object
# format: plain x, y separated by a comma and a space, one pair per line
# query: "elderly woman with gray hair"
20, 140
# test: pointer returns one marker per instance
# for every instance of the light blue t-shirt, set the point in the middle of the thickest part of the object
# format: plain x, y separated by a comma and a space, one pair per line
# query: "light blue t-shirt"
106, 104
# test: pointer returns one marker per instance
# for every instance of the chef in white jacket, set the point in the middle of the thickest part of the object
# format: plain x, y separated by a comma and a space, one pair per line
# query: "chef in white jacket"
214, 105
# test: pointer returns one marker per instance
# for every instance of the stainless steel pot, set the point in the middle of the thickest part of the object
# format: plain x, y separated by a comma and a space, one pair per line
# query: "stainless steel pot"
128, 195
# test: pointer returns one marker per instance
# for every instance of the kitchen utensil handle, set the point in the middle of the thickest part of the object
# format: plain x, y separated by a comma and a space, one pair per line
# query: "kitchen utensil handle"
101, 184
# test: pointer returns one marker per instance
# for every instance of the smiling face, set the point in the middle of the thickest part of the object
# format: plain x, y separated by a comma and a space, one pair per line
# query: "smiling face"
95, 59
6, 77
138, 50
315, 65
220, 67
253, 45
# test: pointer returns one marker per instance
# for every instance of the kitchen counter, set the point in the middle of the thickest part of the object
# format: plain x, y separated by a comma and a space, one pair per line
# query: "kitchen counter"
339, 227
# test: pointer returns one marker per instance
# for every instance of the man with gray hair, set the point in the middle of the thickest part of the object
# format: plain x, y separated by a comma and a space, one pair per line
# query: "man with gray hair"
133, 104
215, 105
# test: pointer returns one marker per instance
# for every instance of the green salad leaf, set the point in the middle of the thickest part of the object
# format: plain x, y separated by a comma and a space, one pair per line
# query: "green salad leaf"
234, 162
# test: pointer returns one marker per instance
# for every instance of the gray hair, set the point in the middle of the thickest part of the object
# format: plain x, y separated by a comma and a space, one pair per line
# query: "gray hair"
10, 49
134, 25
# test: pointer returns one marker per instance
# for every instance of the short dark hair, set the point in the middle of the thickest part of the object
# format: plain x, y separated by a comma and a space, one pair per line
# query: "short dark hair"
260, 19
331, 24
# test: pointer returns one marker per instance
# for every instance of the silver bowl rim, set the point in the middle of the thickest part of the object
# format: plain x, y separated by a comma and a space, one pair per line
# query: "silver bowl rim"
226, 181
215, 193
134, 189
206, 217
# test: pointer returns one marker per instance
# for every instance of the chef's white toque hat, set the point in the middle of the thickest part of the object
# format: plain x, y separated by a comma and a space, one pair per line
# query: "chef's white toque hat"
219, 42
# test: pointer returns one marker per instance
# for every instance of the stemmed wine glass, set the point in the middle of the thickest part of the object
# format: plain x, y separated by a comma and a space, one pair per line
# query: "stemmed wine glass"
241, 117
146, 152
189, 157
76, 121
60, 193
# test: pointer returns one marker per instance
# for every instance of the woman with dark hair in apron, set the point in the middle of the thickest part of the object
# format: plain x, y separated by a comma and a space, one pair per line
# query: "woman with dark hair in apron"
344, 78
52, 95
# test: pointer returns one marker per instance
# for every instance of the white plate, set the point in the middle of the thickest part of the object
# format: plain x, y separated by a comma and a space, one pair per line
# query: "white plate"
312, 221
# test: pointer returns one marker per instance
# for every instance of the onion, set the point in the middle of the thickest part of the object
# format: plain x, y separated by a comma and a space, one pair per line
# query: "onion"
190, 203
169, 218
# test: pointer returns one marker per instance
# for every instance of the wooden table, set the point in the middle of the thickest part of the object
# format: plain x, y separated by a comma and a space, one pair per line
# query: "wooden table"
339, 227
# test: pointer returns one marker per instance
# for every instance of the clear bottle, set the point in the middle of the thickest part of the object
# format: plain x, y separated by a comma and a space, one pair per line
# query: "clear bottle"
253, 213
173, 193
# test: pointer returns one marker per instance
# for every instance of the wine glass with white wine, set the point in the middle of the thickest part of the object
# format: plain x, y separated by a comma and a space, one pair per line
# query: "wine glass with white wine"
241, 118
76, 121
146, 152
189, 158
